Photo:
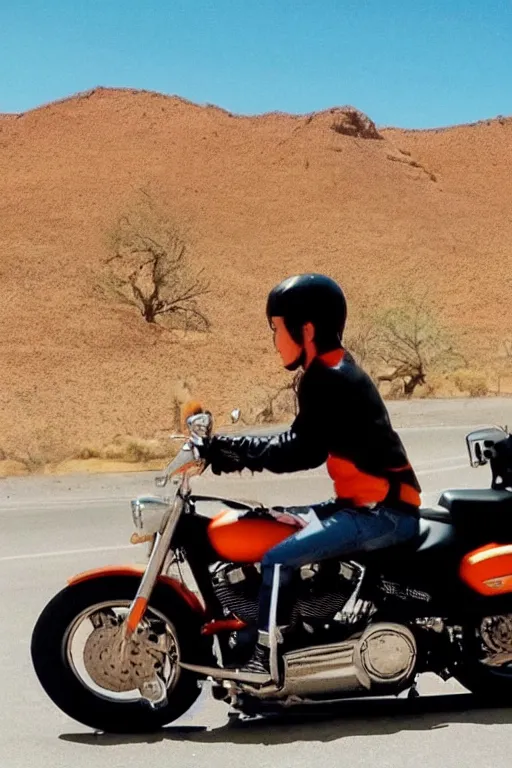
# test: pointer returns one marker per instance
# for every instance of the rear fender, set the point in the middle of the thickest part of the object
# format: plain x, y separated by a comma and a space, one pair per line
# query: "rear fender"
488, 570
138, 570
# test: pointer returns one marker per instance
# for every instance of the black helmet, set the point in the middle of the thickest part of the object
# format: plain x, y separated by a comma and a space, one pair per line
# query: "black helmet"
312, 299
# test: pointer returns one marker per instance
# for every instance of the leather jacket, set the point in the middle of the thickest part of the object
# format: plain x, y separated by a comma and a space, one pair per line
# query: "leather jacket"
342, 420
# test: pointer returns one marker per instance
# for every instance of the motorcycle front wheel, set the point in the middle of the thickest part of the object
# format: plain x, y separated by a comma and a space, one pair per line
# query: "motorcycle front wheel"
485, 667
96, 677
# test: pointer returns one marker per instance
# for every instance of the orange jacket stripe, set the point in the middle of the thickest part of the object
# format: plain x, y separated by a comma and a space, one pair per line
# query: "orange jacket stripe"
351, 483
409, 495
332, 358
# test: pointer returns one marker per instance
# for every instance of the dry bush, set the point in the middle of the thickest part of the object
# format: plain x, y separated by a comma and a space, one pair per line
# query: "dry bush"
361, 341
33, 461
394, 390
437, 385
404, 348
149, 269
276, 407
473, 383
42, 448
130, 449
411, 344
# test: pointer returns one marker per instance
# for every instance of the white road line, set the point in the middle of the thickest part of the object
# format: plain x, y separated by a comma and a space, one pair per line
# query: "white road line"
69, 503
441, 460
442, 469
422, 468
121, 547
65, 553
442, 428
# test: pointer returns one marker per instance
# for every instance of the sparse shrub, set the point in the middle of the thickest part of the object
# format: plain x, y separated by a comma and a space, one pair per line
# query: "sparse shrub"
128, 448
471, 382
411, 343
403, 343
149, 269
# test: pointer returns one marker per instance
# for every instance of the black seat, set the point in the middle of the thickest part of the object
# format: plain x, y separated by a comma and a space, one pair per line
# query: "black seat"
433, 536
480, 515
481, 500
438, 514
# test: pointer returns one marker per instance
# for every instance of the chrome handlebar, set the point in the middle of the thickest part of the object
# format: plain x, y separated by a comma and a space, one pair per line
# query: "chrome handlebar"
188, 462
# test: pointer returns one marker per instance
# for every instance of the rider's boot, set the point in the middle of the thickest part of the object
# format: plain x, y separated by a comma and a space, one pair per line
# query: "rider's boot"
259, 663
263, 666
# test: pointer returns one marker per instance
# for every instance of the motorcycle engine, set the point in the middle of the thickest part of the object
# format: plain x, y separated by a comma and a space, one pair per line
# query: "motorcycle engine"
322, 590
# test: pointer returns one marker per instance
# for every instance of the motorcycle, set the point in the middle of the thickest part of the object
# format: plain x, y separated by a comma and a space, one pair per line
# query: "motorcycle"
129, 648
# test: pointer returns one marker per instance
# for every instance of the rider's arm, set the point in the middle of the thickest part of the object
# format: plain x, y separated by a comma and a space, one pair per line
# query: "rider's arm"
303, 446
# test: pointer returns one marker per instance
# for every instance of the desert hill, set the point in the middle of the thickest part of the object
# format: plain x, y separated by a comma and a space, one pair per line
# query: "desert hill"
260, 198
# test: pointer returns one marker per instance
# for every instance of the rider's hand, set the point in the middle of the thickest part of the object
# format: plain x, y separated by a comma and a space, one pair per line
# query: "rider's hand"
219, 457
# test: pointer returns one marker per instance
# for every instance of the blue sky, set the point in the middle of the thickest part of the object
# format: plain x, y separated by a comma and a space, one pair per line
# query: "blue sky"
411, 63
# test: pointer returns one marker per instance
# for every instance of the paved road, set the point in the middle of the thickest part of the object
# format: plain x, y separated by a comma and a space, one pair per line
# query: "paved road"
52, 527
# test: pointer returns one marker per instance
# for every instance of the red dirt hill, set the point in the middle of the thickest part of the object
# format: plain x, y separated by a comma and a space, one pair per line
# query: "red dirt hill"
261, 198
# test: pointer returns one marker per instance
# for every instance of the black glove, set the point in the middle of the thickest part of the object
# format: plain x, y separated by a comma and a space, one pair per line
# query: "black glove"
219, 455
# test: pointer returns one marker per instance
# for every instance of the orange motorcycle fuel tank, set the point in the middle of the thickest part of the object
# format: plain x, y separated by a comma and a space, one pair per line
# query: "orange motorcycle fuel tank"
239, 536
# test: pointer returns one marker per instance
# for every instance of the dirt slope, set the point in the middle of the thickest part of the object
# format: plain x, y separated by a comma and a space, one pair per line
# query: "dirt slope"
261, 198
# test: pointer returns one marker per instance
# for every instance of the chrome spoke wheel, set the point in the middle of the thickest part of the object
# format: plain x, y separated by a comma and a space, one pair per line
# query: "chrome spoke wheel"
145, 666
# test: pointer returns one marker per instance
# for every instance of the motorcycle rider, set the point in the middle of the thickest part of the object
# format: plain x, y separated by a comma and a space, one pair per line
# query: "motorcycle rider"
341, 420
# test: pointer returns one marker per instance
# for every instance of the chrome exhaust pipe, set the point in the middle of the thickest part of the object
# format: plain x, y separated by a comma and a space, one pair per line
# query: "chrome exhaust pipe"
324, 669
384, 654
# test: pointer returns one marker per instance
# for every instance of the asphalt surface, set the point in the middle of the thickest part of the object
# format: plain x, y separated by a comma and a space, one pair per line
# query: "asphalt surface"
54, 527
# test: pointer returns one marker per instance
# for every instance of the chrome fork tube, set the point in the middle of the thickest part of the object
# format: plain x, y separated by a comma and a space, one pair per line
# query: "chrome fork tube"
154, 568
272, 624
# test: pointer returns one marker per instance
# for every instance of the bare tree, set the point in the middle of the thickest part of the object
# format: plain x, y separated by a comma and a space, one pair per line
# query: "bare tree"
362, 341
410, 343
267, 414
149, 269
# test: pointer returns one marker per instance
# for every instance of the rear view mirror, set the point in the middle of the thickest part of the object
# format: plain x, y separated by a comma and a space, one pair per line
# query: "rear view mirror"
481, 444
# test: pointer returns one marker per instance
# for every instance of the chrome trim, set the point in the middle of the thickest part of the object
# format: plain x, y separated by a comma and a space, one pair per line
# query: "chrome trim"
187, 463
433, 623
272, 624
200, 425
324, 669
103, 662
223, 674
160, 549
148, 513
384, 654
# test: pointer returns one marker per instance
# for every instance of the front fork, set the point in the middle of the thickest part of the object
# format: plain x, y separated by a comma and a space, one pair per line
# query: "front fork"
154, 567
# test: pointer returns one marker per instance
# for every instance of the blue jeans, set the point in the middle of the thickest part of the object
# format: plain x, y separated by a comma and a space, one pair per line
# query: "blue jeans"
345, 532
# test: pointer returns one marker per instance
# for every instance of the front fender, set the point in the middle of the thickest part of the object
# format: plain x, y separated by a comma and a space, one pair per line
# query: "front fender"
138, 570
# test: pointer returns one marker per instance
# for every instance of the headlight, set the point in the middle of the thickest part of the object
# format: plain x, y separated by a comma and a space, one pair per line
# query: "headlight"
148, 513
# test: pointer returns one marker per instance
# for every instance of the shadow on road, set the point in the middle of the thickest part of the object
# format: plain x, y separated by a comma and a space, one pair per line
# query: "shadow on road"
355, 718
